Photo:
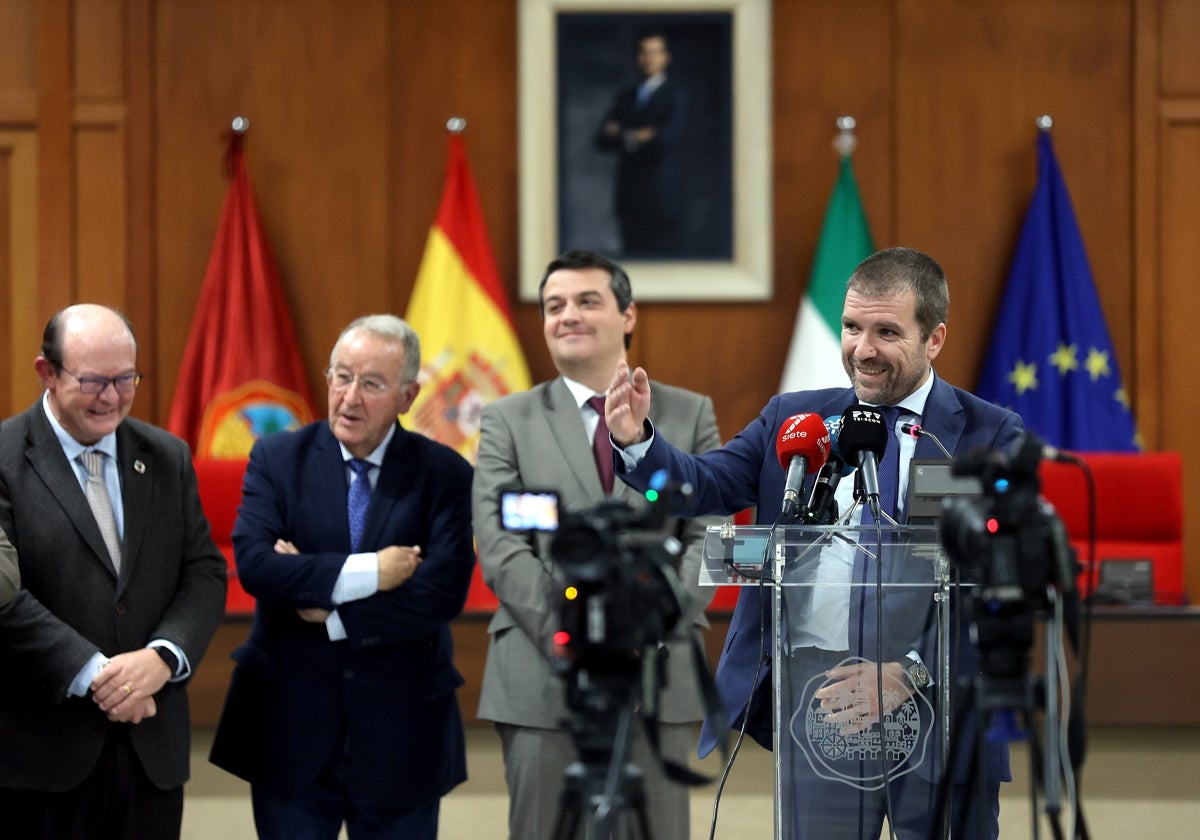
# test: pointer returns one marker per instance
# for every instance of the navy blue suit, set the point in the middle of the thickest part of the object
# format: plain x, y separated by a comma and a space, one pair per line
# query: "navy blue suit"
746, 473
385, 695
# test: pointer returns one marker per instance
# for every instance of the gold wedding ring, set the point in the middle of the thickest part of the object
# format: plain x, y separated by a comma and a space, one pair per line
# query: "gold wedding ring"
127, 688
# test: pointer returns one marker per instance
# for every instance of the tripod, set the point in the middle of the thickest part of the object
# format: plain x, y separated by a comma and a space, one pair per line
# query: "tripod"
603, 784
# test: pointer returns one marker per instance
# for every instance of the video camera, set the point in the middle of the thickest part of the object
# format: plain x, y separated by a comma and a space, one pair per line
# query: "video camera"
1013, 547
621, 591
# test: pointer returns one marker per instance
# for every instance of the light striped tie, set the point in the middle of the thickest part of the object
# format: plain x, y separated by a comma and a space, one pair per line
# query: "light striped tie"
97, 496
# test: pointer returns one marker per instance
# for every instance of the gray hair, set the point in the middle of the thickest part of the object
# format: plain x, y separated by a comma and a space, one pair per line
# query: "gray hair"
390, 328
898, 269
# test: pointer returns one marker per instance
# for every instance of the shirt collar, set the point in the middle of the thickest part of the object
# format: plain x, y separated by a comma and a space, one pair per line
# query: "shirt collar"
580, 392
376, 456
914, 403
71, 447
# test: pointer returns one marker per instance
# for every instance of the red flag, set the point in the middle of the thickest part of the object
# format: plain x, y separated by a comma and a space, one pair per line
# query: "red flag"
241, 376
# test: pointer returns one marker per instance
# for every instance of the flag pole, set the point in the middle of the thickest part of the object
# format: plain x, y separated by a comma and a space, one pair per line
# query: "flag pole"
1044, 123
456, 125
844, 143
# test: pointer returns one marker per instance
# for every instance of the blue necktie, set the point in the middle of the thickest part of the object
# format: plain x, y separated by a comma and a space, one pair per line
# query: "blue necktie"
360, 497
889, 467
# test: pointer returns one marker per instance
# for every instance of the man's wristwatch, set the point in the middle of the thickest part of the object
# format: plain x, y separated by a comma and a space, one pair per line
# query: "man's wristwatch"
917, 673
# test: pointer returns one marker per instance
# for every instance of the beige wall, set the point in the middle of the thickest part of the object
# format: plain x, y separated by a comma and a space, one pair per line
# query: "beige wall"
111, 116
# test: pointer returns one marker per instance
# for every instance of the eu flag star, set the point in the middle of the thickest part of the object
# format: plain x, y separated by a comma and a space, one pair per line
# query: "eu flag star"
1097, 363
1024, 377
1064, 358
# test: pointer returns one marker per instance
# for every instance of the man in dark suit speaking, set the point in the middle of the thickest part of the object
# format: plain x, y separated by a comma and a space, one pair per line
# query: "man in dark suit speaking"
355, 537
122, 589
893, 327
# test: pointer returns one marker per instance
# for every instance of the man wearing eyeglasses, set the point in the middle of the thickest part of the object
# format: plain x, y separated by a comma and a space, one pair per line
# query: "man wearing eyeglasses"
355, 537
122, 589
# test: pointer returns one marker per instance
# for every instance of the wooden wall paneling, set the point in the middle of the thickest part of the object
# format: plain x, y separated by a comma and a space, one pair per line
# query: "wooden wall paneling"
970, 79
19, 251
100, 209
141, 289
56, 256
457, 59
98, 40
1147, 302
6, 212
312, 80
1179, 31
1180, 254
18, 59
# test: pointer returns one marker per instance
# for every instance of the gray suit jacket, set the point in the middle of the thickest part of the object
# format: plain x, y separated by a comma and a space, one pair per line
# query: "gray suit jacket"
72, 604
536, 439
10, 573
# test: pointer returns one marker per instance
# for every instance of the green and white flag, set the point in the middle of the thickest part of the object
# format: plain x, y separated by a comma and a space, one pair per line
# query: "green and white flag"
815, 357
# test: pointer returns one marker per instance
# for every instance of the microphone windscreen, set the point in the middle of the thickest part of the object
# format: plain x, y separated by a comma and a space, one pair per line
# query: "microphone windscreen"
804, 435
863, 430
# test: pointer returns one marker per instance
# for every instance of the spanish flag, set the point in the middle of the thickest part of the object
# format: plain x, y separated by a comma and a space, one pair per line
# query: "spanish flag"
241, 376
469, 349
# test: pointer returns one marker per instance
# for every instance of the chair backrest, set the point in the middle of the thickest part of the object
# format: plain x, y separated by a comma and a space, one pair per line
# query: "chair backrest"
220, 485
1139, 512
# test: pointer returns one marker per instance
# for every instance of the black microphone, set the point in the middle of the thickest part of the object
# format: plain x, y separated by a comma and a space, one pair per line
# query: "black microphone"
919, 431
863, 439
822, 507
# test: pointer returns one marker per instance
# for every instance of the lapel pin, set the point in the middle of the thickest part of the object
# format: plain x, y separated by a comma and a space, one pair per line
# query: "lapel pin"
139, 467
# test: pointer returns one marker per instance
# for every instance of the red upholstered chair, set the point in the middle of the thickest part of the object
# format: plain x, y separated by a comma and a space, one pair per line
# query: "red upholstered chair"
220, 482
1139, 513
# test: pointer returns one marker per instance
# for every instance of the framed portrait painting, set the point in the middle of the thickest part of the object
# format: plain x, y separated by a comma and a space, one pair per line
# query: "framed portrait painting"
645, 135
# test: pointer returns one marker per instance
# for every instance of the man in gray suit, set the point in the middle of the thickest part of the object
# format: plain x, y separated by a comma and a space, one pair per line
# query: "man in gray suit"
543, 438
122, 589
10, 573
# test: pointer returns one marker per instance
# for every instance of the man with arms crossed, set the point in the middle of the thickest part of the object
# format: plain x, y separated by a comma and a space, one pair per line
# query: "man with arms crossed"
355, 537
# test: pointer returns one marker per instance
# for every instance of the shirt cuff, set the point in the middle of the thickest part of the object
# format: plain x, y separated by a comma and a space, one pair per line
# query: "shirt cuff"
82, 683
633, 454
334, 627
358, 579
185, 669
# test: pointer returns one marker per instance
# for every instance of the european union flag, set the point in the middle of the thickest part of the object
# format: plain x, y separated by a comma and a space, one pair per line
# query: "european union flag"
1051, 359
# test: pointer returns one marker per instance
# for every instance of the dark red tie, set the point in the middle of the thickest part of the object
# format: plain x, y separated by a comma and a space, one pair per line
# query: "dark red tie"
602, 446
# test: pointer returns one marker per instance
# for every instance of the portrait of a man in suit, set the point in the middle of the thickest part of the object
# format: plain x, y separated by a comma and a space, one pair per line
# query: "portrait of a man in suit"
645, 135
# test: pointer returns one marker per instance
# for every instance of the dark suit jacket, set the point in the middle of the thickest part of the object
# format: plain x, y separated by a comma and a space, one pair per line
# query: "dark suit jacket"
746, 472
72, 604
536, 439
388, 689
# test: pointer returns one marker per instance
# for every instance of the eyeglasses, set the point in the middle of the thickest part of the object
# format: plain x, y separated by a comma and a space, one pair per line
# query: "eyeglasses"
126, 383
368, 386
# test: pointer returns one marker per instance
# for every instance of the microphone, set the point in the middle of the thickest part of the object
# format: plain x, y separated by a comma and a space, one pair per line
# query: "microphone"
822, 507
802, 444
919, 431
863, 439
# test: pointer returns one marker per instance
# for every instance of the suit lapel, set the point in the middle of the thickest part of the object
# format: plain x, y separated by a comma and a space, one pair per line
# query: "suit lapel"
942, 417
136, 464
566, 428
46, 456
326, 480
389, 489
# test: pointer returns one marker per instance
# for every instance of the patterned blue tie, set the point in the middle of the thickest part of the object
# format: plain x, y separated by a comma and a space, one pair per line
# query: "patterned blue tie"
889, 467
360, 496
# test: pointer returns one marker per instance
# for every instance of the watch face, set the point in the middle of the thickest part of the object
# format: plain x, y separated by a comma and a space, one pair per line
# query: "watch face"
918, 675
